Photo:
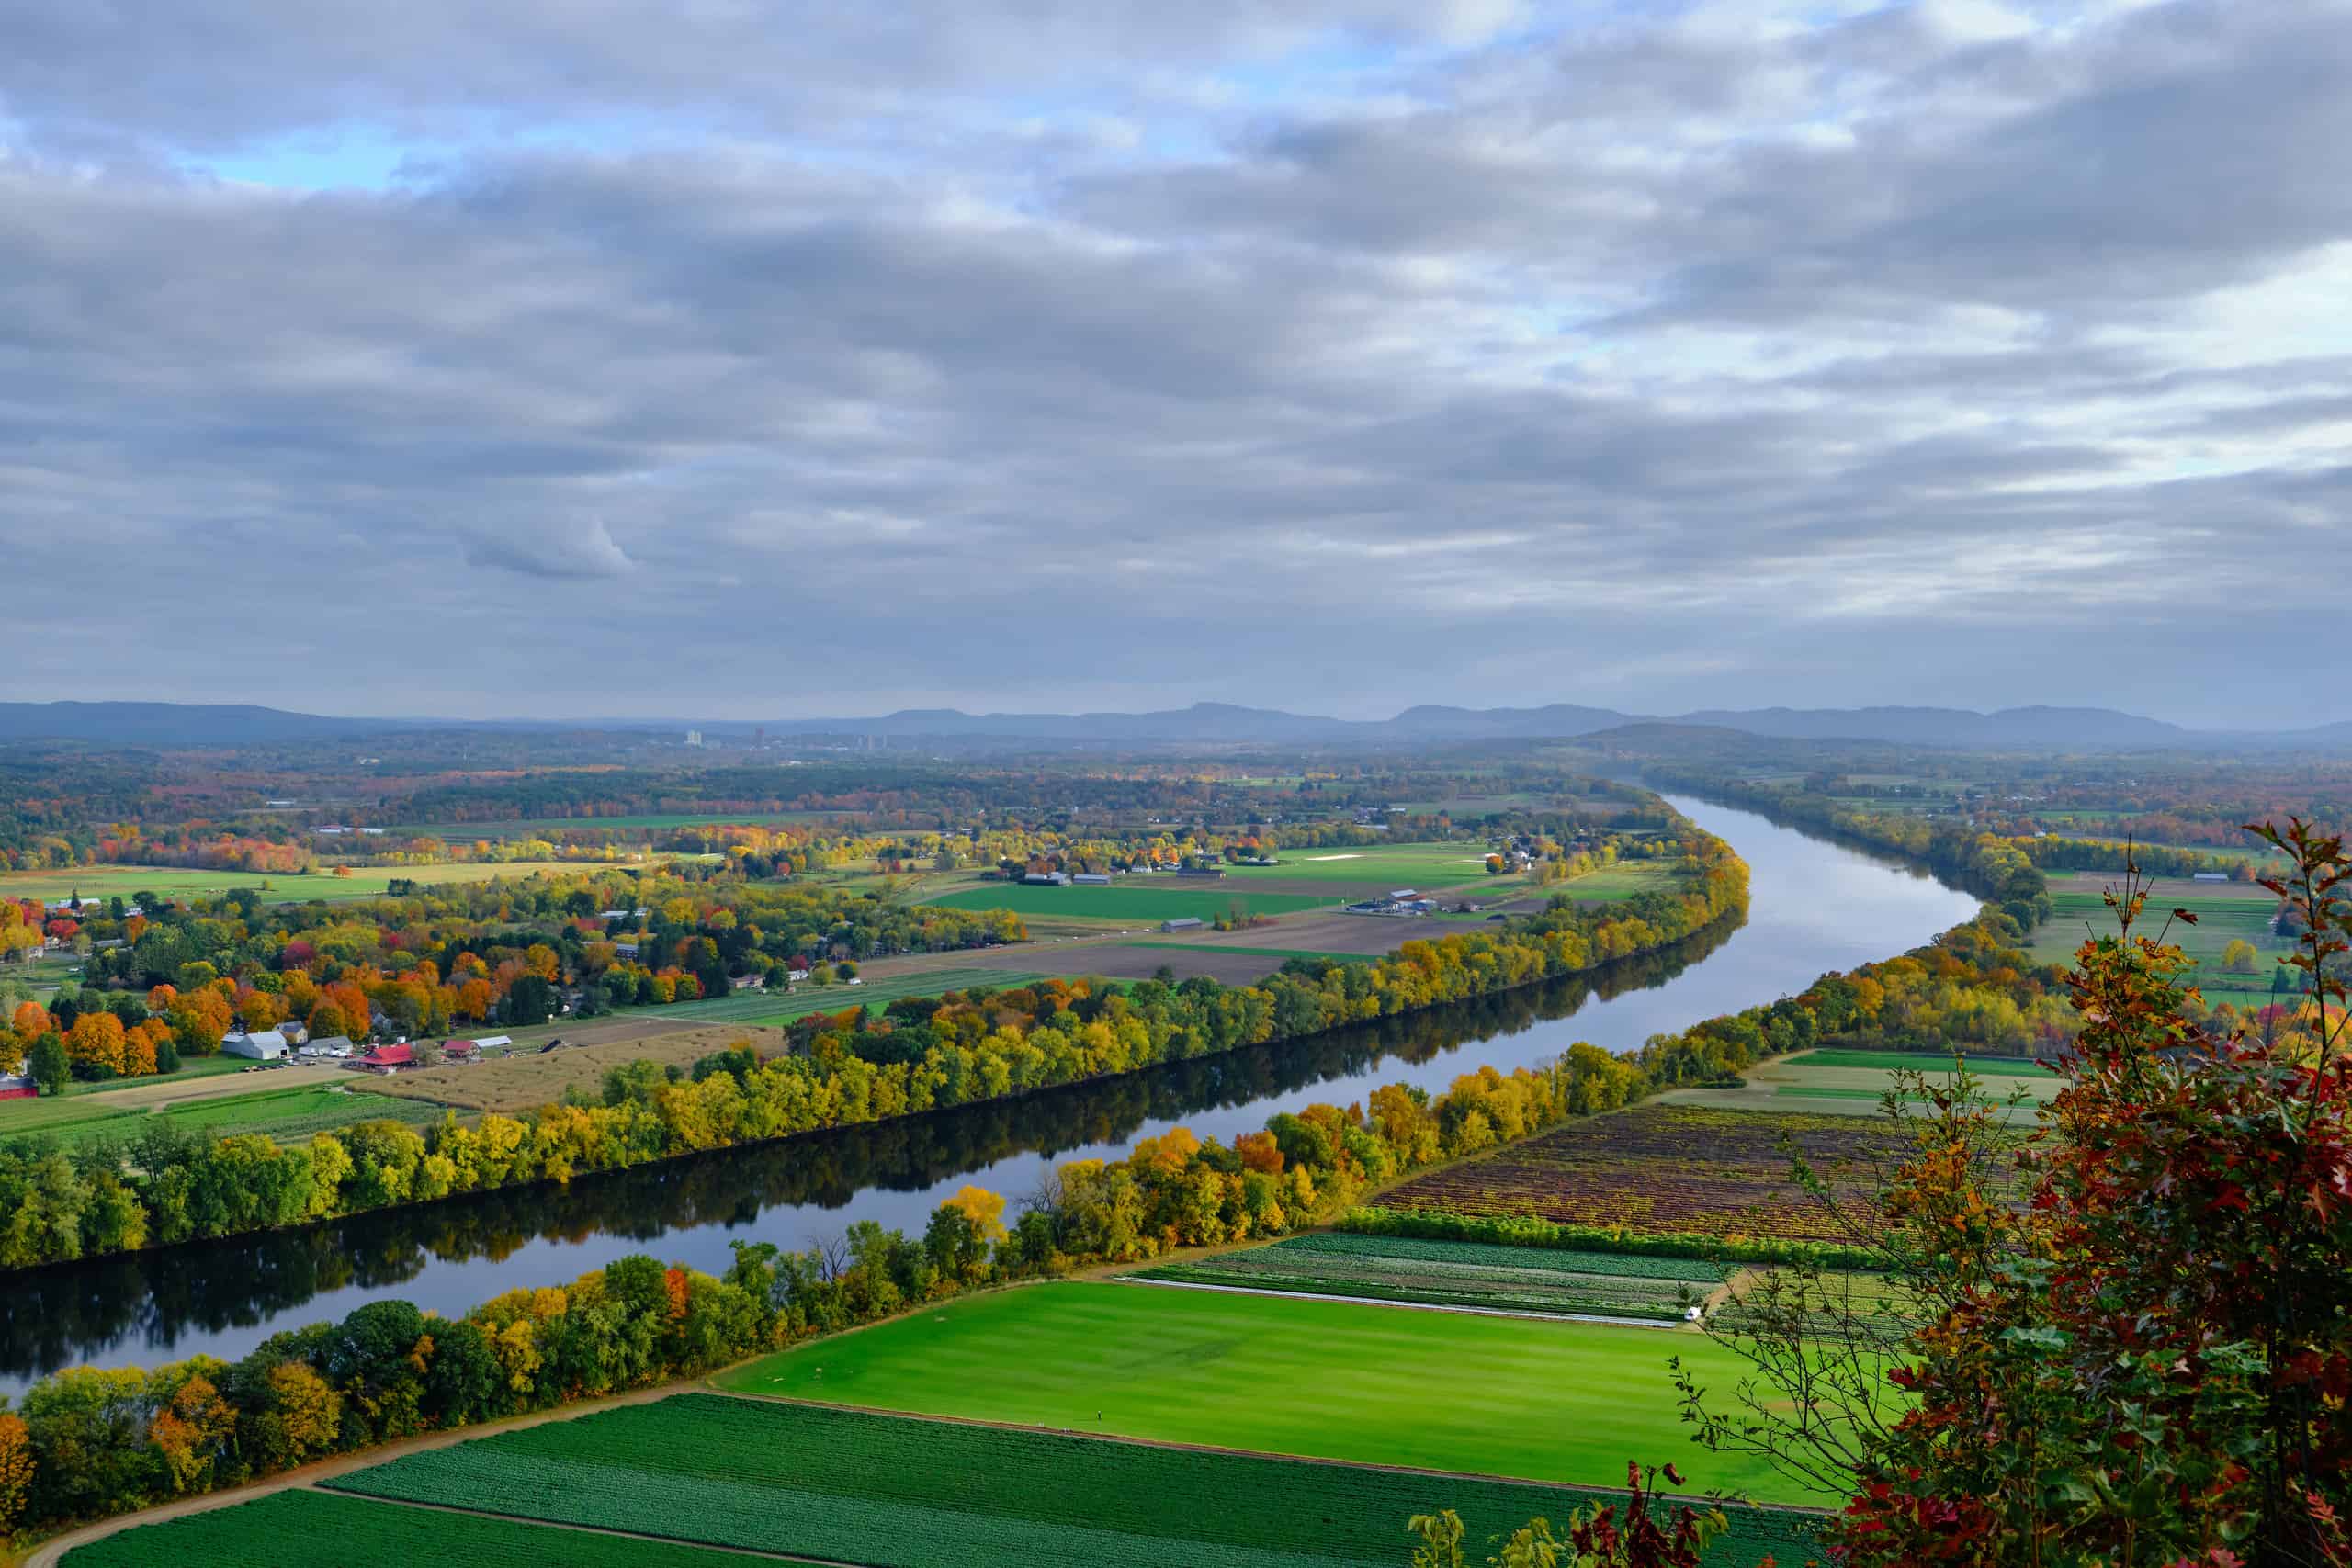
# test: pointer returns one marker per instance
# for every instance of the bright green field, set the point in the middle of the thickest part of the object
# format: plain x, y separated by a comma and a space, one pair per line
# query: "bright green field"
1923, 1061
102, 882
1390, 865
849, 1487
1562, 1401
288, 1114
1162, 898
302, 1529
2079, 910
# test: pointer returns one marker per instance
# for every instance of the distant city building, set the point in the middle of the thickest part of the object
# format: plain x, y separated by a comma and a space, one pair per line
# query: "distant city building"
694, 737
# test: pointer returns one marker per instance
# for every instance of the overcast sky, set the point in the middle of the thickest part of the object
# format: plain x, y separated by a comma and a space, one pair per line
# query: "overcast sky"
712, 357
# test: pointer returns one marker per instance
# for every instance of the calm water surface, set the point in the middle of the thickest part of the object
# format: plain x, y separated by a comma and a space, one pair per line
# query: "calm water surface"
1815, 906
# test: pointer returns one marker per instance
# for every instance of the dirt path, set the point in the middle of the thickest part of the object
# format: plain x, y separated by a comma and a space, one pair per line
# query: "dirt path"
52, 1551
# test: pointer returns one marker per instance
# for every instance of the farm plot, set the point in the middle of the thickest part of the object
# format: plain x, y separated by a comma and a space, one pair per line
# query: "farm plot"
859, 1488
1544, 1400
320, 1529
1657, 1167
289, 1114
2225, 912
277, 888
1375, 866
1460, 1274
1855, 1083
1148, 899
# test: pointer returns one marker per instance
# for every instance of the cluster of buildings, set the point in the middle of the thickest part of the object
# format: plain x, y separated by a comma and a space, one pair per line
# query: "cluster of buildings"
290, 1042
1396, 901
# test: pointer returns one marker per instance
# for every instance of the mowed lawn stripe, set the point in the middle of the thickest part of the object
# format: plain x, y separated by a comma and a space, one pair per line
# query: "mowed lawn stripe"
1561, 1402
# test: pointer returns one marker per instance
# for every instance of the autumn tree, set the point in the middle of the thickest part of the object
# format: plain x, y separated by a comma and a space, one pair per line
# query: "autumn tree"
16, 1471
2122, 1340
2239, 957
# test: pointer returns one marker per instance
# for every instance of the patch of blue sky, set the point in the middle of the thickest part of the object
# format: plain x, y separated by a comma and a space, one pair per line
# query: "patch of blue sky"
360, 156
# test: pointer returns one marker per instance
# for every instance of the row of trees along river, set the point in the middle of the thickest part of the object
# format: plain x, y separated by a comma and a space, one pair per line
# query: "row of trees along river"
1815, 907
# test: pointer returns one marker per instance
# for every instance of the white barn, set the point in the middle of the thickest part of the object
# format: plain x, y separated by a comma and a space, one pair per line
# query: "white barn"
269, 1045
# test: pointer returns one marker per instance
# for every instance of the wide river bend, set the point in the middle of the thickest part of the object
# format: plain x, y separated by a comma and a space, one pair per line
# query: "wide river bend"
1815, 906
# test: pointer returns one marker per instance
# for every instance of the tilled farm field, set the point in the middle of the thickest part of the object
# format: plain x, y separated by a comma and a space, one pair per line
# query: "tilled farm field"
1659, 1167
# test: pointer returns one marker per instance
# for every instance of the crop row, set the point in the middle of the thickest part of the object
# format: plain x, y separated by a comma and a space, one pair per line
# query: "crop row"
1493, 1255
917, 1494
1592, 1294
318, 1529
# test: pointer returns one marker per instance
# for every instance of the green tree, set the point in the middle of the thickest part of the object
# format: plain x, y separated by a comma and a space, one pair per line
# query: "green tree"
50, 1067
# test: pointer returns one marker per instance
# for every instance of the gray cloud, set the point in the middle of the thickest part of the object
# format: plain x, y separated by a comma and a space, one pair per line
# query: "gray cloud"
1683, 361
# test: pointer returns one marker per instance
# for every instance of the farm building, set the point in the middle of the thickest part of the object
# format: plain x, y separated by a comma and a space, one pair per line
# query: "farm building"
269, 1045
388, 1058
1047, 879
461, 1049
1189, 923
14, 1088
2212, 876
333, 1048
1092, 879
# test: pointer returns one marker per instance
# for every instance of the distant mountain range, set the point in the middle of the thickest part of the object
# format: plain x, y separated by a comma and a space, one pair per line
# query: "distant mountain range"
182, 724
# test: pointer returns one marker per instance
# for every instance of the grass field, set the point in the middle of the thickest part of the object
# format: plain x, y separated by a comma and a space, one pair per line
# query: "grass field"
1853, 1082
2224, 913
1659, 1167
281, 888
857, 1487
191, 1069
302, 1529
1156, 899
289, 1114
1386, 865
1562, 1401
1461, 1274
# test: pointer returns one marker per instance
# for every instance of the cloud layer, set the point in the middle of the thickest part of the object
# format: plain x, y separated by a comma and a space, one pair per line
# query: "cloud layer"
765, 360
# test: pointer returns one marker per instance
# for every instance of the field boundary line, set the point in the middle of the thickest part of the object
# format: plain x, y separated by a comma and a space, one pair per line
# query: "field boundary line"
1602, 1318
1082, 1435
751, 1551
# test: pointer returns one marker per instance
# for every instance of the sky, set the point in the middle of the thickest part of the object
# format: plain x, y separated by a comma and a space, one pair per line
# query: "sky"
727, 359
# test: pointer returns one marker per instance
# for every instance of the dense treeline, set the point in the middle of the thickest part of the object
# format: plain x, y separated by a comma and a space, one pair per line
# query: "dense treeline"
2115, 854
922, 1055
1533, 1230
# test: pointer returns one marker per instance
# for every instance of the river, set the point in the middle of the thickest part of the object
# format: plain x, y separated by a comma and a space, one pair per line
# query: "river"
1815, 906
